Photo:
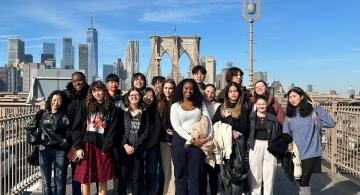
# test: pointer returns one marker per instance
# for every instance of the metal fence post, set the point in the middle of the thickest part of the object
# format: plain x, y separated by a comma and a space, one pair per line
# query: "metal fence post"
333, 169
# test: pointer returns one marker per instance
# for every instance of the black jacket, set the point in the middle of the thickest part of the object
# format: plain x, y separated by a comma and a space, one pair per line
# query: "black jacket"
76, 111
166, 124
52, 129
273, 128
143, 131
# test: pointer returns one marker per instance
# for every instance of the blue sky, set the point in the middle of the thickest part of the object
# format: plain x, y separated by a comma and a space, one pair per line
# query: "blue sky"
298, 41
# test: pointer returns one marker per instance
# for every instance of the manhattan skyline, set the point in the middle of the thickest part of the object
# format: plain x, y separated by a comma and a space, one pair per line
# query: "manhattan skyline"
302, 42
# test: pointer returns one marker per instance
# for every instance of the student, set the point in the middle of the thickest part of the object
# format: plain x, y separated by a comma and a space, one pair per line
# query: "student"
163, 124
53, 126
212, 106
138, 81
304, 120
154, 177
199, 74
273, 105
187, 109
96, 141
264, 127
136, 129
76, 90
234, 113
112, 85
158, 83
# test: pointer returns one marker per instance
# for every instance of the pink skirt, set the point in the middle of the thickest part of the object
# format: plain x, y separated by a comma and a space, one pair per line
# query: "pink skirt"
96, 167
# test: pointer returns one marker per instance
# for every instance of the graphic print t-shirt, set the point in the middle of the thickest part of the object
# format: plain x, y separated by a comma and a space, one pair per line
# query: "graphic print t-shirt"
135, 122
97, 122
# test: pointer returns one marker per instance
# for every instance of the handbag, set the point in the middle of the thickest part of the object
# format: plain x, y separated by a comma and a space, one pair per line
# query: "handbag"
295, 156
32, 129
33, 157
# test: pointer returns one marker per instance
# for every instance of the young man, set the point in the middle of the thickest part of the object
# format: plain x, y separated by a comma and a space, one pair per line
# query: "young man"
112, 84
157, 82
199, 74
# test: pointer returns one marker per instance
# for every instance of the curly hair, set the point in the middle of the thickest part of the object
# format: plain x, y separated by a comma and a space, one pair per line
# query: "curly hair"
91, 102
236, 112
305, 108
196, 97
64, 100
162, 98
127, 101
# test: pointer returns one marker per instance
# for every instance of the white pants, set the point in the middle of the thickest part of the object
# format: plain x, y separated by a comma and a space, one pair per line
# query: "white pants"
262, 168
168, 167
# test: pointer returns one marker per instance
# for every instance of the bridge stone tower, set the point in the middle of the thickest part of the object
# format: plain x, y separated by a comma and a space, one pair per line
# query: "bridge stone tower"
174, 46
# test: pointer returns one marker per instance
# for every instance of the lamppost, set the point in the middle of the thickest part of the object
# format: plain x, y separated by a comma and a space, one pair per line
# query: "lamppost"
251, 10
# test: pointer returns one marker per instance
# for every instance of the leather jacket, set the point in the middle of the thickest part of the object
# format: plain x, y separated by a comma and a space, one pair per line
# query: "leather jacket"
52, 129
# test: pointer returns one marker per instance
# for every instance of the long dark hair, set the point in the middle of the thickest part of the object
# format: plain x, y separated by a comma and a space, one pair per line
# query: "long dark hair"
304, 107
136, 76
236, 112
162, 98
64, 100
196, 98
92, 104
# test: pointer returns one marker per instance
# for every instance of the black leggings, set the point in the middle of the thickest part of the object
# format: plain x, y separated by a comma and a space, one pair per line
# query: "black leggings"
309, 166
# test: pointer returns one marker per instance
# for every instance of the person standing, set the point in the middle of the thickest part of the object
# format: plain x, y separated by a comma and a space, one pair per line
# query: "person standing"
264, 127
96, 141
53, 126
304, 120
163, 124
186, 110
199, 74
136, 129
76, 90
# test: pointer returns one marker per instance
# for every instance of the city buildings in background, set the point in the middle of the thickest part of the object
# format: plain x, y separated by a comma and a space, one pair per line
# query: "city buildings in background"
119, 70
351, 91
68, 54
309, 88
260, 76
277, 87
107, 69
28, 58
209, 63
28, 72
16, 51
92, 42
84, 58
49, 52
131, 60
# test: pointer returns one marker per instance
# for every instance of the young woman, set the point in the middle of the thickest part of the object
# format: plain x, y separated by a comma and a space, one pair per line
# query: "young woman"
138, 81
263, 128
53, 127
136, 128
163, 123
96, 141
154, 177
199, 74
212, 106
234, 113
304, 120
187, 109
273, 105
76, 90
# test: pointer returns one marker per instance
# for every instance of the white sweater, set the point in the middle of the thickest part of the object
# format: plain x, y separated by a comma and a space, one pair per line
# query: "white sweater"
183, 120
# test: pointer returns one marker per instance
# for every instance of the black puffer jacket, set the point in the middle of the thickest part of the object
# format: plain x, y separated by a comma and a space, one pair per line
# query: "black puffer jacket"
273, 127
76, 111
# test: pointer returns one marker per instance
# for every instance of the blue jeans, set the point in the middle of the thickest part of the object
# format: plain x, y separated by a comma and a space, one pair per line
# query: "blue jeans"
154, 178
49, 160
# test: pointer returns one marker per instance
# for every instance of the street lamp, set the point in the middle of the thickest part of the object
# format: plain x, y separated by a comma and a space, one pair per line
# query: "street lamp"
250, 5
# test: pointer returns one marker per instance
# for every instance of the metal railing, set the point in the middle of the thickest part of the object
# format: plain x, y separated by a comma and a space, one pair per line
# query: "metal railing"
341, 145
15, 173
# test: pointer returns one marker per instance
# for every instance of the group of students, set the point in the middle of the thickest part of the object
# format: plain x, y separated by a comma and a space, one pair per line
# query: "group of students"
173, 139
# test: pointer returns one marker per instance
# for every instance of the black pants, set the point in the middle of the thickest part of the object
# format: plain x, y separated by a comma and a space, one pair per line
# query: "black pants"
131, 164
213, 174
309, 166
117, 167
188, 167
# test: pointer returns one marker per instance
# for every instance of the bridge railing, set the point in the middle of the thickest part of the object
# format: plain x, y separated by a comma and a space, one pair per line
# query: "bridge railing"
341, 145
15, 173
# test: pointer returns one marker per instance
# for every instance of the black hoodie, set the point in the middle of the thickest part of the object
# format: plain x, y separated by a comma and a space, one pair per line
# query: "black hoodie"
76, 111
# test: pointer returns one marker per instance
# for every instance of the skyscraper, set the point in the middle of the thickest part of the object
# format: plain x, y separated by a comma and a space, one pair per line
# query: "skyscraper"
121, 72
107, 69
260, 76
131, 60
28, 58
92, 41
83, 58
16, 51
210, 64
68, 54
49, 48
